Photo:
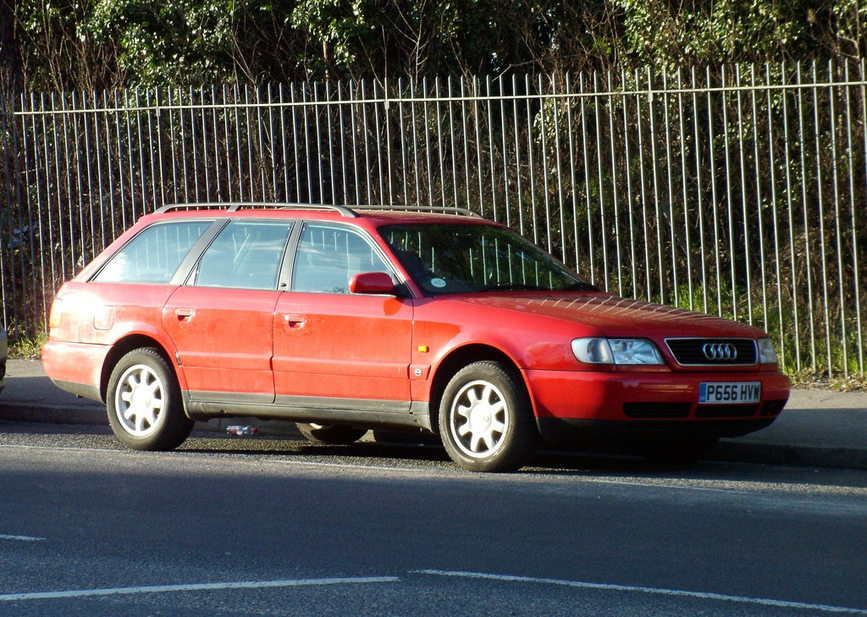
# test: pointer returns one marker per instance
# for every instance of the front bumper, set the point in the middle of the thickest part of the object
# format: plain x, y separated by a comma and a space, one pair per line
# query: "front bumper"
575, 405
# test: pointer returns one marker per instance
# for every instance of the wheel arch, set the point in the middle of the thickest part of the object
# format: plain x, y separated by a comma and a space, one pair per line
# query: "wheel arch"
122, 347
458, 359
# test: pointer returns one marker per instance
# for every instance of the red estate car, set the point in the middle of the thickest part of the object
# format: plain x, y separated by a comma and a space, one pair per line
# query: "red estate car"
345, 320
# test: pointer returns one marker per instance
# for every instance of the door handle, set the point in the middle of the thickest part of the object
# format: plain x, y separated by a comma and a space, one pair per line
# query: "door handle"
295, 321
185, 314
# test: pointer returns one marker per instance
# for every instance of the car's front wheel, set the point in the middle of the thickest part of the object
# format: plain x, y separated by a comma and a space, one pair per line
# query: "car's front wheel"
486, 420
144, 402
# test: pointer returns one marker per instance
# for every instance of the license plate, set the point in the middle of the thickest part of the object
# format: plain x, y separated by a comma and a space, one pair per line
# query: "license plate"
729, 393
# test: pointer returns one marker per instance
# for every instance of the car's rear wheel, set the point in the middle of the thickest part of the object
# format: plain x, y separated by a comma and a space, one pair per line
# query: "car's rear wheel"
332, 434
144, 402
486, 419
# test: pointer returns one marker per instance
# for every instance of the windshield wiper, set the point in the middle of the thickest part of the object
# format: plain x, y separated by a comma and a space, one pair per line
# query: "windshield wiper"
582, 286
512, 287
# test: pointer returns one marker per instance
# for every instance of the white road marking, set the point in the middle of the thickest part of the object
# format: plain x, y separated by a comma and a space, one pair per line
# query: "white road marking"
648, 590
21, 538
85, 593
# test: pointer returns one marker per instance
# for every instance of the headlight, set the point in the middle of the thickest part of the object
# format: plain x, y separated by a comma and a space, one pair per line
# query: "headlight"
767, 354
616, 351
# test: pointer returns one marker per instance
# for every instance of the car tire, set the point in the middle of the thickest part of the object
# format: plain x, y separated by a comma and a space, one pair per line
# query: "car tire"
486, 419
144, 404
331, 434
681, 451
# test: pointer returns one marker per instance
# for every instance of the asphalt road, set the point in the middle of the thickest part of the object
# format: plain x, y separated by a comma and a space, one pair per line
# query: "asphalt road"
253, 526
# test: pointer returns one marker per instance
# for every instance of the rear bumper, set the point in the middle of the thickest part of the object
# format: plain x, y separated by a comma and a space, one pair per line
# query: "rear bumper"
638, 405
75, 367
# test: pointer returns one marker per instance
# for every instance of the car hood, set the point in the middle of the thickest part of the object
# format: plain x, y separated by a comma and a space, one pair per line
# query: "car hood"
614, 316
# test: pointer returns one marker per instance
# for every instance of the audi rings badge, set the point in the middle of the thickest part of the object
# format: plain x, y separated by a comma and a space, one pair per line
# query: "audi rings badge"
719, 352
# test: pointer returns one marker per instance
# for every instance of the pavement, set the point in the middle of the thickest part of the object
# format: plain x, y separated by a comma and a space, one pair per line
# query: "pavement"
818, 428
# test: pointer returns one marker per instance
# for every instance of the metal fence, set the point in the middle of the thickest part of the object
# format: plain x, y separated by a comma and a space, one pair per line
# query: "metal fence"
740, 191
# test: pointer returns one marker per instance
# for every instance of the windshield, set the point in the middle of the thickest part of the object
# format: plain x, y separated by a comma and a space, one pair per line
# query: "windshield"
461, 258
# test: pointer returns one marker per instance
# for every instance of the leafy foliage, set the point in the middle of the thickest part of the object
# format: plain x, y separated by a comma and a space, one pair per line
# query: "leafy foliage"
96, 44
694, 32
163, 42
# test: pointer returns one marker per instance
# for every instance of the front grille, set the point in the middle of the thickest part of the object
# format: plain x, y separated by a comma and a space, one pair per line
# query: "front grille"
713, 351
726, 411
656, 410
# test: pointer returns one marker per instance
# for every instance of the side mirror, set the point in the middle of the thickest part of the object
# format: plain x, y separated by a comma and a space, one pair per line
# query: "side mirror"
373, 283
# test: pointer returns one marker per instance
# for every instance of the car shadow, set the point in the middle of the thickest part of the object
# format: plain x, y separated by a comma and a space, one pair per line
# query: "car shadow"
558, 460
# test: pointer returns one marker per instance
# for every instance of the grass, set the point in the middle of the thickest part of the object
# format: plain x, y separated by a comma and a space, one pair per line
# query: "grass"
812, 381
26, 348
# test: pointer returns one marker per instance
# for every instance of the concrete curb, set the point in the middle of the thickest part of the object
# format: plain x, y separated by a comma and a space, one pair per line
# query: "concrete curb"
792, 455
54, 414
89, 415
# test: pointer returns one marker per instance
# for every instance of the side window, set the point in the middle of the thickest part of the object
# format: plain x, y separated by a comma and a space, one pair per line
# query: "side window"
329, 256
245, 255
154, 255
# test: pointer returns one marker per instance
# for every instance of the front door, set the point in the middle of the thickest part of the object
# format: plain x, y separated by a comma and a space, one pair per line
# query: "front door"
333, 349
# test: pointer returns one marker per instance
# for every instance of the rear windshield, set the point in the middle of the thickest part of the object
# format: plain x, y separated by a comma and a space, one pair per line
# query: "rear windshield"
460, 258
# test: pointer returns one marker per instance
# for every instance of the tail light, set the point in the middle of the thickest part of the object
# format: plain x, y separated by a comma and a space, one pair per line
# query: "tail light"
56, 314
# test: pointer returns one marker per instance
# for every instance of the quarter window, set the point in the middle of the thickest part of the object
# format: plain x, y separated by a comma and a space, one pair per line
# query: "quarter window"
245, 255
154, 255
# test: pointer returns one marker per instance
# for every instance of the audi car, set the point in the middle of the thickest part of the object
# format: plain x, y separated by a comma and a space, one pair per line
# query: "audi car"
350, 319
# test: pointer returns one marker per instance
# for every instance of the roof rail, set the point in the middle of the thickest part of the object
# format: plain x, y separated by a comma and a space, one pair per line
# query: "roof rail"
234, 206
442, 209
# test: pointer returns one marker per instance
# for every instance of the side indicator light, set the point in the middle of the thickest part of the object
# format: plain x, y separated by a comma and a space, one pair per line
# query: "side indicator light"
423, 348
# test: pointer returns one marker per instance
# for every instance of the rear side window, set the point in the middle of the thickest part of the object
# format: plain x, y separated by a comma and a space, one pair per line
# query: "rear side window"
154, 255
246, 255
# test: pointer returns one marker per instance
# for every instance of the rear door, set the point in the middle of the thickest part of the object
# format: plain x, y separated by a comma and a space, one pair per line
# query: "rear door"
222, 321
